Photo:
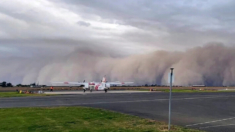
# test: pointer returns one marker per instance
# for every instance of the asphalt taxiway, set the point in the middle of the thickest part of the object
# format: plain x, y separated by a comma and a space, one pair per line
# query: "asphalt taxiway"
213, 112
94, 92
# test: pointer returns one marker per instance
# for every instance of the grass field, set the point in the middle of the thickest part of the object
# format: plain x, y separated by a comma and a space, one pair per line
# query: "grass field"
15, 94
69, 119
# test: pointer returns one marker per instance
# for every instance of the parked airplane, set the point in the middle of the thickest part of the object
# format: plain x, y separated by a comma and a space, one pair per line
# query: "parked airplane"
98, 86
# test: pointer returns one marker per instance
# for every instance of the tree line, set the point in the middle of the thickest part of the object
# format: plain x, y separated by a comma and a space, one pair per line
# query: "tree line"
8, 84
5, 84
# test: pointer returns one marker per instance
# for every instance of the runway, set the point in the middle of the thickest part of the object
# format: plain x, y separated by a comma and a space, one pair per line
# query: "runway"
213, 112
95, 92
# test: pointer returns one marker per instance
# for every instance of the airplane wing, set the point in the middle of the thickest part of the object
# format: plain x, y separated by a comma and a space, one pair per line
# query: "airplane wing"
119, 83
77, 83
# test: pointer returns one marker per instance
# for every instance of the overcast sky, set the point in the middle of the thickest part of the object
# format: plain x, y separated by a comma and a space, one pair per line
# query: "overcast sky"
55, 27
70, 40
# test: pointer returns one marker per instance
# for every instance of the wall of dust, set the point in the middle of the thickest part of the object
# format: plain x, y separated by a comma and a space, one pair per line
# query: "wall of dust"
211, 65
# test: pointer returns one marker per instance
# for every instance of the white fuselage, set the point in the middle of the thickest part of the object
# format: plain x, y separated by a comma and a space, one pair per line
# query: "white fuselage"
101, 86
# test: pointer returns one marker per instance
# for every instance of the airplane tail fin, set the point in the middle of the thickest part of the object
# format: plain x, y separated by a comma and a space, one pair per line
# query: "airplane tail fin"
104, 79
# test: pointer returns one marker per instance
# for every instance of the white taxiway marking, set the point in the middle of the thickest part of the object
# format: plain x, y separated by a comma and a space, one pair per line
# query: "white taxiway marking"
217, 126
210, 122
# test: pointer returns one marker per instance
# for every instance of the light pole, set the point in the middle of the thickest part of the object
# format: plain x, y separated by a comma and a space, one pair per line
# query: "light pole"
169, 123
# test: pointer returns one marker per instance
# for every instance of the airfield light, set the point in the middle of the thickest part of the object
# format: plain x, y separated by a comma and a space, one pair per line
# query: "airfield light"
169, 123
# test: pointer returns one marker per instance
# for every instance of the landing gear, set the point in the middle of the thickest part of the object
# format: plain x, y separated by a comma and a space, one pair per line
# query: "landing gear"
84, 90
105, 90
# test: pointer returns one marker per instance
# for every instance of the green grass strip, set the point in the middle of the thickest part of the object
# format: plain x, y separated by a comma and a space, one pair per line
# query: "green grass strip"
77, 119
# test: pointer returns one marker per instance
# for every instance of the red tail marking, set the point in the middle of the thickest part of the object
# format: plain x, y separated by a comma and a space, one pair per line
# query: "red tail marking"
104, 79
97, 86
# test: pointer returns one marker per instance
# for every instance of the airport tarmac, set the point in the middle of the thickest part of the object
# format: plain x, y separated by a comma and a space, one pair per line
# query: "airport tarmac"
213, 112
95, 92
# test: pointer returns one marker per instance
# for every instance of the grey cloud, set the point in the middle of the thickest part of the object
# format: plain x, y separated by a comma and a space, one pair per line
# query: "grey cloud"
99, 28
195, 19
82, 23
58, 44
201, 21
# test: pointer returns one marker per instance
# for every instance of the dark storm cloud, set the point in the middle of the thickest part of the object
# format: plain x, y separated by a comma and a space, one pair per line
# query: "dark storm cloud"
198, 21
180, 23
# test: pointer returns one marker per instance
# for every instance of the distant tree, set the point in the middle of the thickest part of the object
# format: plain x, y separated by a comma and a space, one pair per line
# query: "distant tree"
4, 84
19, 85
9, 85
33, 84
